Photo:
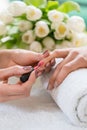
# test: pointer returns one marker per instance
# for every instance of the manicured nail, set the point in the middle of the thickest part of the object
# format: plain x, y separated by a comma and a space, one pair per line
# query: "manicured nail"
55, 84
28, 68
52, 62
39, 74
40, 63
46, 53
36, 67
48, 65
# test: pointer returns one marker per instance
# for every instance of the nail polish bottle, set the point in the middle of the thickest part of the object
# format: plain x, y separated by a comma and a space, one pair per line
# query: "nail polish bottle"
25, 76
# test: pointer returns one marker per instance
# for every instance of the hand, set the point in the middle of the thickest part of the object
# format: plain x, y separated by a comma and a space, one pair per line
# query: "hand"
18, 90
23, 58
73, 59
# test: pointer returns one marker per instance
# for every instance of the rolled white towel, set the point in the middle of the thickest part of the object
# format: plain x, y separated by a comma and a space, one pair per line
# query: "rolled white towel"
71, 96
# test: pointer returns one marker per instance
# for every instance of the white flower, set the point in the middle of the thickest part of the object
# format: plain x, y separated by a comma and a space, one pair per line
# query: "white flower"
64, 44
25, 25
69, 35
33, 13
48, 43
55, 16
76, 23
79, 39
28, 37
41, 29
61, 31
2, 28
54, 25
17, 8
6, 17
36, 46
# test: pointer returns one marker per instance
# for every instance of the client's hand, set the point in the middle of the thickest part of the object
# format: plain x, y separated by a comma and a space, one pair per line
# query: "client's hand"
18, 90
73, 59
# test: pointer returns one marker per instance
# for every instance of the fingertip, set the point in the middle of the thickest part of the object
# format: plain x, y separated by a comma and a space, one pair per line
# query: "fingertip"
53, 62
46, 53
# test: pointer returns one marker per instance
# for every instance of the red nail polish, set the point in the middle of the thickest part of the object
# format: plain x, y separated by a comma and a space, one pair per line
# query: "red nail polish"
36, 67
40, 63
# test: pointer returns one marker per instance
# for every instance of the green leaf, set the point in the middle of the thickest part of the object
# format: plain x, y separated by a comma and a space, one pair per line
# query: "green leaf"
13, 30
52, 5
69, 6
37, 3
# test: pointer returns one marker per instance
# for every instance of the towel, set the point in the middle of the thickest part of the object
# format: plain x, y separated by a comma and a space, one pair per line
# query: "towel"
71, 96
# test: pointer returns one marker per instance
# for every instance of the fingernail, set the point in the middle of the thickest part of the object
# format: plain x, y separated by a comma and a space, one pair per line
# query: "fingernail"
48, 65
36, 67
40, 63
46, 53
52, 62
28, 68
55, 84
38, 73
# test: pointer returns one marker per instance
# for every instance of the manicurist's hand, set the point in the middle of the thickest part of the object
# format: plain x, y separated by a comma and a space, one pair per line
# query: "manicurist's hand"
73, 59
18, 90
23, 58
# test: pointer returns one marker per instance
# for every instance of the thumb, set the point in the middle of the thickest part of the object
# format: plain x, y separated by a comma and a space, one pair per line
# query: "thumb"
13, 71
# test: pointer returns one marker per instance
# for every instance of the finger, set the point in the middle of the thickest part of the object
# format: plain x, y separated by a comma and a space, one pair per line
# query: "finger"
61, 53
13, 71
9, 98
52, 81
13, 89
5, 81
29, 57
67, 68
48, 67
56, 54
46, 54
68, 59
53, 78
53, 62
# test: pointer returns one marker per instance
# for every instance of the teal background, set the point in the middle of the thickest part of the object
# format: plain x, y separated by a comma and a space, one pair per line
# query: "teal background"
83, 11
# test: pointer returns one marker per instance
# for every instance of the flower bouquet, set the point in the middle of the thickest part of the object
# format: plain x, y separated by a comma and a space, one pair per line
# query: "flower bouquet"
41, 25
